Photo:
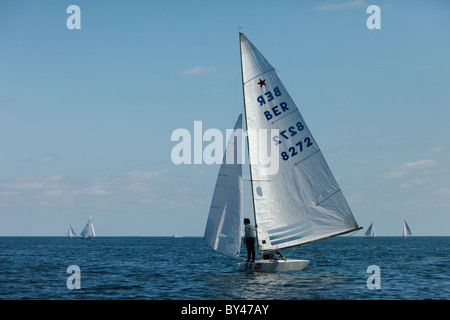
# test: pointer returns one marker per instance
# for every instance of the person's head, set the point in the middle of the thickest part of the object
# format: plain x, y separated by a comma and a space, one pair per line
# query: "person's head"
246, 221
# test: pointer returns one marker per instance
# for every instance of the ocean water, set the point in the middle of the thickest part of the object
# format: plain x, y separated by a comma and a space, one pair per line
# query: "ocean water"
185, 268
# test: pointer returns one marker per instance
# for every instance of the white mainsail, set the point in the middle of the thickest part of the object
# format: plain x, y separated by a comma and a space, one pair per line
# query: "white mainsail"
302, 202
88, 231
223, 228
71, 233
370, 233
406, 230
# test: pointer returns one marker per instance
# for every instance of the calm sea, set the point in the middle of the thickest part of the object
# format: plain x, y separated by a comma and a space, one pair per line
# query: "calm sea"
185, 268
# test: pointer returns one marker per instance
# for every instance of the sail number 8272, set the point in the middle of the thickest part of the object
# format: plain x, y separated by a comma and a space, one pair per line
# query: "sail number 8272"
293, 151
290, 132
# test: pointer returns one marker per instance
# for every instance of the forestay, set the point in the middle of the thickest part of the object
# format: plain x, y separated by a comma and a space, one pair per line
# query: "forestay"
223, 228
301, 202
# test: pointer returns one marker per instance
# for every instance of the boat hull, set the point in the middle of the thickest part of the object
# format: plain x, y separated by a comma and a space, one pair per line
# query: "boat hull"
273, 266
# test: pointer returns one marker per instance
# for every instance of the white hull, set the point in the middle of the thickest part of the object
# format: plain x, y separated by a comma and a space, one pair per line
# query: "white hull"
273, 266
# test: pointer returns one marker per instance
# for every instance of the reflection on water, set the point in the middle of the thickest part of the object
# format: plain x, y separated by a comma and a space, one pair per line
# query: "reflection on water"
283, 285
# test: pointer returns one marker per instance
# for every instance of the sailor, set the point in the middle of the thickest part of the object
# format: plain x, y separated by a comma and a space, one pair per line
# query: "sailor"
271, 255
249, 240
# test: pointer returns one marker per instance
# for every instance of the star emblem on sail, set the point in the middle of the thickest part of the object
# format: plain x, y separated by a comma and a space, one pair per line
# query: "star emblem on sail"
262, 82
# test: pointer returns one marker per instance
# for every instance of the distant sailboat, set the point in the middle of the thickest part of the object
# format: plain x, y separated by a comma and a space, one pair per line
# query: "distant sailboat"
370, 233
300, 203
88, 231
406, 230
71, 233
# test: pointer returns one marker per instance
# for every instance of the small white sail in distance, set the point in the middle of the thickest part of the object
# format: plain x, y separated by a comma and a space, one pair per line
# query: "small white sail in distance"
370, 233
406, 230
302, 202
71, 232
223, 227
88, 231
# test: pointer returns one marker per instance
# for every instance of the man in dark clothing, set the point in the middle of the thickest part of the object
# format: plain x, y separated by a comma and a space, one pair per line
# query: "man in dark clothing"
249, 240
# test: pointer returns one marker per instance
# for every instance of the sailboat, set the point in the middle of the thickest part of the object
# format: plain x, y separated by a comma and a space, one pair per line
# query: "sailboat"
297, 204
370, 233
71, 233
406, 230
88, 231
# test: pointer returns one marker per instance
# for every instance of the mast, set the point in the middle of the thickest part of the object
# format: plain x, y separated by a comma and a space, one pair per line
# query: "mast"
248, 145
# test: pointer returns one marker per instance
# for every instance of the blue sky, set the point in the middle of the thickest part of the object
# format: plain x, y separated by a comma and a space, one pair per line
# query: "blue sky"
86, 115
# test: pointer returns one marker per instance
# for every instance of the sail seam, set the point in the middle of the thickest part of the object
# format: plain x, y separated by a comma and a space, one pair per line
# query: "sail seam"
282, 230
292, 234
259, 75
307, 157
332, 194
294, 237
229, 188
284, 116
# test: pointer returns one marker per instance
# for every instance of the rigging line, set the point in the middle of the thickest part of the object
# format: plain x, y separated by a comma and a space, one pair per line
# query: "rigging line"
292, 251
246, 127
238, 79
259, 75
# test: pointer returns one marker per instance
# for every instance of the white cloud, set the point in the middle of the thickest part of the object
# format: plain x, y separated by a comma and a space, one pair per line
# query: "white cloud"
404, 169
47, 158
42, 159
157, 187
32, 183
418, 164
438, 149
443, 192
341, 6
199, 70
94, 190
411, 183
412, 203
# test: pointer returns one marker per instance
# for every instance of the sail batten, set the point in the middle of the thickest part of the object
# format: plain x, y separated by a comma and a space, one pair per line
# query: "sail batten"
303, 188
284, 116
259, 75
